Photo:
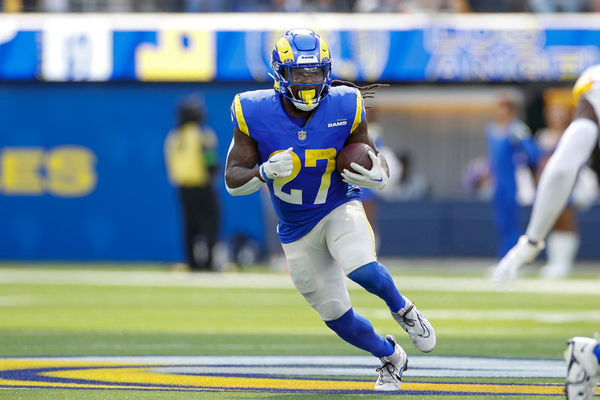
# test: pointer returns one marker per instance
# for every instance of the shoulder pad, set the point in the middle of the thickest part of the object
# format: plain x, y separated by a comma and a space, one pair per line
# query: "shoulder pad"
586, 82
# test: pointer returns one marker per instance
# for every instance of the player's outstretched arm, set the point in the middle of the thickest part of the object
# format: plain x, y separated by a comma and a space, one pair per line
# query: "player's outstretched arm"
242, 176
556, 184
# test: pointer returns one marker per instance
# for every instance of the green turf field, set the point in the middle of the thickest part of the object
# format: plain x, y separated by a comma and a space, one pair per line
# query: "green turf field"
92, 311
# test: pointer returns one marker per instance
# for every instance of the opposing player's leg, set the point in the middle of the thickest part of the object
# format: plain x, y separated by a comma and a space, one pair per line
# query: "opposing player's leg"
350, 241
583, 368
323, 285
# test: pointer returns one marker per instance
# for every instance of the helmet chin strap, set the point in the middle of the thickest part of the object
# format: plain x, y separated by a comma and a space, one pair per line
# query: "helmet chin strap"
307, 96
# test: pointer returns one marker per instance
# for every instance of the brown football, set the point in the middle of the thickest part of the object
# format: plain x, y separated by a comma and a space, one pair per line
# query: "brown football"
354, 152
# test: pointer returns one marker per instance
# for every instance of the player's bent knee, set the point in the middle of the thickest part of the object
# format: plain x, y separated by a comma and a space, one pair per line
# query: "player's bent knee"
332, 309
303, 277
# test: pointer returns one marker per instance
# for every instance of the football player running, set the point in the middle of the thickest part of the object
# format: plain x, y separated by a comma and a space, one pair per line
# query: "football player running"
288, 138
556, 183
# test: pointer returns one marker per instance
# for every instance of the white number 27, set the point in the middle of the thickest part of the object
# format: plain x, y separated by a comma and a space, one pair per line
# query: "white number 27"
310, 161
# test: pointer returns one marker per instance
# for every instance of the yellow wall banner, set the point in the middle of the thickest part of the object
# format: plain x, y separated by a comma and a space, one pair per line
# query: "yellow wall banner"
62, 171
179, 55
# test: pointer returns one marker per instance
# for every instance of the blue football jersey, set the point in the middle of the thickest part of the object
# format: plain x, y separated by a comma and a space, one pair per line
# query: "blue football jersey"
509, 146
315, 187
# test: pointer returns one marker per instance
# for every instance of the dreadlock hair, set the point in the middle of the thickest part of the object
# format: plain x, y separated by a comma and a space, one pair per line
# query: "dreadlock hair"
367, 92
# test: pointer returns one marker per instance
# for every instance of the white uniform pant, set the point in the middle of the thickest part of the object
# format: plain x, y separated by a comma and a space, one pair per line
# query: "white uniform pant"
319, 261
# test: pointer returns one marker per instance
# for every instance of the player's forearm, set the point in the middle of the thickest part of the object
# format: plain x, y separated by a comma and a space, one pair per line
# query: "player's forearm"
558, 178
236, 175
241, 181
241, 174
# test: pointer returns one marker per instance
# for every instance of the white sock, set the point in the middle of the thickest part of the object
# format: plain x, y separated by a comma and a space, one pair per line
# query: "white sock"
561, 250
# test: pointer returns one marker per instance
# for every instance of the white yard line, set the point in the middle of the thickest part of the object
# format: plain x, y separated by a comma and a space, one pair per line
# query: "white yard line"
495, 315
15, 301
272, 281
419, 366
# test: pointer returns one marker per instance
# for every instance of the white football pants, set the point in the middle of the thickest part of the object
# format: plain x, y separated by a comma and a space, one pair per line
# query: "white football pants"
319, 261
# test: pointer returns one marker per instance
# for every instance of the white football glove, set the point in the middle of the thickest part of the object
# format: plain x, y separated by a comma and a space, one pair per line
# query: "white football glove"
375, 178
524, 252
278, 166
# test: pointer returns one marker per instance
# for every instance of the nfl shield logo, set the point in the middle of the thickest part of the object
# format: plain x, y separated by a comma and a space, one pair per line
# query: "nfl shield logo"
302, 135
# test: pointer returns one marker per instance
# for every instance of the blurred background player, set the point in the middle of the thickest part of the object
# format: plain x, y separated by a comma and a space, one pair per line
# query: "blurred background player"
509, 145
370, 197
476, 180
321, 218
563, 241
411, 185
556, 184
404, 183
190, 154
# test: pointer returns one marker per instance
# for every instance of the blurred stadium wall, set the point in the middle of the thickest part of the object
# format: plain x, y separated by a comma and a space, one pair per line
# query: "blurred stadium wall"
87, 99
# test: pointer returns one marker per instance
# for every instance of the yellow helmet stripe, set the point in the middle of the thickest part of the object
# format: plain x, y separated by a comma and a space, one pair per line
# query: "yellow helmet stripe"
583, 85
285, 50
239, 115
324, 50
358, 115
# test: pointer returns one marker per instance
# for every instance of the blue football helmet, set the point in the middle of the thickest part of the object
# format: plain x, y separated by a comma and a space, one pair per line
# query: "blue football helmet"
302, 49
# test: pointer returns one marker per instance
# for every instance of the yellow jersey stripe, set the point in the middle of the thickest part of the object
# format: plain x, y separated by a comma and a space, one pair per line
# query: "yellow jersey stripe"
358, 115
239, 115
372, 234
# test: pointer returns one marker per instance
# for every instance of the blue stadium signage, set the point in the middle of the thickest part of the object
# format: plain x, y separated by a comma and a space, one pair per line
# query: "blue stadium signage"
207, 48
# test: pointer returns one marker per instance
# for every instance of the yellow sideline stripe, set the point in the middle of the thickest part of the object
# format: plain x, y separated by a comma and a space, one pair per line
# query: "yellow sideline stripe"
138, 375
142, 378
483, 388
358, 114
29, 364
62, 385
239, 115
